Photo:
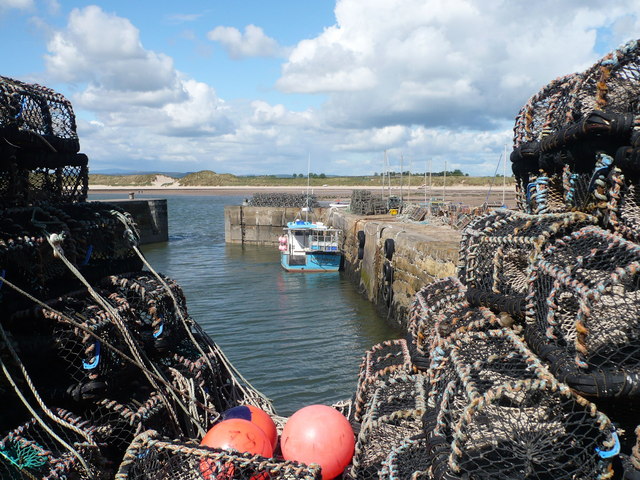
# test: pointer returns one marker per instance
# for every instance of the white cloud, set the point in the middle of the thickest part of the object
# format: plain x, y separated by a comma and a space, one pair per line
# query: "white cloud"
252, 43
17, 4
428, 80
446, 62
105, 50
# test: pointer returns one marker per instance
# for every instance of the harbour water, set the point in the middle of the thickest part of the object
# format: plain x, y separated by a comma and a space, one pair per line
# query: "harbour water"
298, 338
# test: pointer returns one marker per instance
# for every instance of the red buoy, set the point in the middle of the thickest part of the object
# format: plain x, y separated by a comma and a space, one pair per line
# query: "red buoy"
257, 416
319, 434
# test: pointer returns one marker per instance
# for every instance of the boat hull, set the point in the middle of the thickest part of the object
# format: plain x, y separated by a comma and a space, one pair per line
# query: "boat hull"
311, 262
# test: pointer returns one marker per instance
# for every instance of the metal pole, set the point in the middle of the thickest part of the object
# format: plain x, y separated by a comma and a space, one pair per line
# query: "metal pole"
444, 181
504, 175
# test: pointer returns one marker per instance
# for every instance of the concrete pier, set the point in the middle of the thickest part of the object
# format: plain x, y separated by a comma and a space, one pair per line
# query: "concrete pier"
150, 215
262, 225
422, 253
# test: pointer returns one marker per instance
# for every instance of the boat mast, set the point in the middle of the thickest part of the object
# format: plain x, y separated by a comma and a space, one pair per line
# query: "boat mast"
306, 217
444, 181
504, 175
401, 172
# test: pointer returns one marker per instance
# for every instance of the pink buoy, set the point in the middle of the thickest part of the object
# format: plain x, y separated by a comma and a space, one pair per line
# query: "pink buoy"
319, 434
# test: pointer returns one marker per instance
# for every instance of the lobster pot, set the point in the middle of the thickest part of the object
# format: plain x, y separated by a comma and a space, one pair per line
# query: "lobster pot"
501, 415
294, 200
32, 116
99, 239
30, 451
26, 258
624, 201
68, 361
395, 415
436, 328
409, 460
118, 421
383, 360
156, 312
584, 312
152, 457
546, 110
568, 123
429, 302
209, 385
40, 159
94, 243
496, 252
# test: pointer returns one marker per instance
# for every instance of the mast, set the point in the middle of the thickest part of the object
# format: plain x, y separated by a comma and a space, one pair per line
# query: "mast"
444, 181
306, 219
425, 183
401, 172
504, 175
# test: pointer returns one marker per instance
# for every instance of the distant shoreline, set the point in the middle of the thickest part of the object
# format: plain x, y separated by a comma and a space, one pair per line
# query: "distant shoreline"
473, 195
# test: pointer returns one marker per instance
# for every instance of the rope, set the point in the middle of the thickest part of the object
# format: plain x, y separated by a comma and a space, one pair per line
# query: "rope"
132, 234
32, 387
40, 421
105, 343
55, 240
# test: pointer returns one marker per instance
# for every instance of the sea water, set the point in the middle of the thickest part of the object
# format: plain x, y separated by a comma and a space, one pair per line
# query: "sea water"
297, 338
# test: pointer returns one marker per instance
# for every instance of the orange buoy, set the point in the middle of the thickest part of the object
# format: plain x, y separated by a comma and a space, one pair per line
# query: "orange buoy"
237, 435
256, 416
319, 434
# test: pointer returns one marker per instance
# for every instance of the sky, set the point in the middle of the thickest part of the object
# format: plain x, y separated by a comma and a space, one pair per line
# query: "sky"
264, 87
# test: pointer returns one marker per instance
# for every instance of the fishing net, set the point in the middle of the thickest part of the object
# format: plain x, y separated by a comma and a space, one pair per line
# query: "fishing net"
501, 415
39, 152
409, 460
624, 203
429, 302
33, 451
380, 362
92, 239
497, 251
583, 315
394, 416
437, 319
563, 130
298, 200
152, 457
33, 116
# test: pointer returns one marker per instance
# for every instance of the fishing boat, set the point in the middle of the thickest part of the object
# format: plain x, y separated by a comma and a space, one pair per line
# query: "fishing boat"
310, 247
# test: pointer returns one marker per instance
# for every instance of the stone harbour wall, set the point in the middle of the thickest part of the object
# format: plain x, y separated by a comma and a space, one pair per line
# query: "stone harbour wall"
415, 255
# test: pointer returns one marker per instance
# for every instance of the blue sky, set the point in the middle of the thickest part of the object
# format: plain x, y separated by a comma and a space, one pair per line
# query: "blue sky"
256, 87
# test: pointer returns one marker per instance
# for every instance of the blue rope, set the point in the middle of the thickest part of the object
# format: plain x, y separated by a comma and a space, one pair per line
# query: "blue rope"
615, 450
96, 358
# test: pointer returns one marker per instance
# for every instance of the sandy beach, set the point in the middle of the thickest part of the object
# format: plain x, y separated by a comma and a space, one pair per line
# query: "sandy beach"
471, 195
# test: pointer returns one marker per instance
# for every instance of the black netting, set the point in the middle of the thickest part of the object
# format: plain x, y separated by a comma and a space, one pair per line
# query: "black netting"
381, 361
496, 251
501, 415
36, 117
584, 310
152, 457
298, 200
409, 460
393, 417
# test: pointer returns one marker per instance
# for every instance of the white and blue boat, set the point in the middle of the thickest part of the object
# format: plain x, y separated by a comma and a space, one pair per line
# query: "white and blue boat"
310, 247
